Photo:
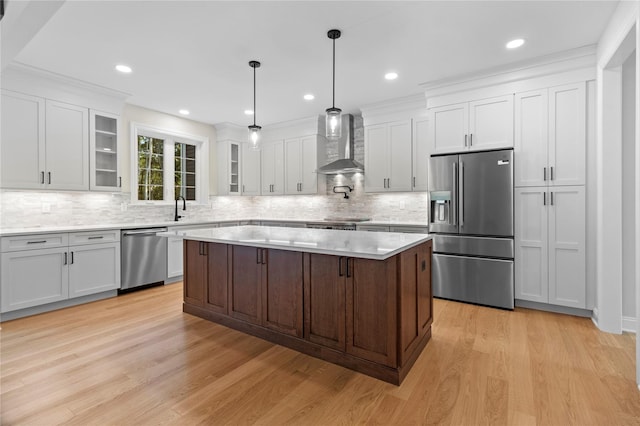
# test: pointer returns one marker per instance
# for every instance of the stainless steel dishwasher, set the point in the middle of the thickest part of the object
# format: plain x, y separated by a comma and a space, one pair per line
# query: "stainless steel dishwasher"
143, 257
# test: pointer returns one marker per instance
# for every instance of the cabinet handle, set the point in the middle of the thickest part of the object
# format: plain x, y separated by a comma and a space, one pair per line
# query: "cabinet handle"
258, 253
119, 181
71, 259
264, 256
551, 203
96, 238
465, 140
37, 242
414, 181
470, 139
205, 249
348, 271
65, 258
544, 198
388, 182
551, 172
544, 173
340, 273
49, 178
41, 177
242, 188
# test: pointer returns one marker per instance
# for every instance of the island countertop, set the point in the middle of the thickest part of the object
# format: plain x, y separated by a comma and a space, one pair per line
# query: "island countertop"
361, 244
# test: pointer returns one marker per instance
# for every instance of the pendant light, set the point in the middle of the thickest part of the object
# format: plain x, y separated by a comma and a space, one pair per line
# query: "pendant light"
334, 118
254, 130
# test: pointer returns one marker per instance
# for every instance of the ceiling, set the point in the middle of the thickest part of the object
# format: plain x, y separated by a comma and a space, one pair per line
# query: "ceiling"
195, 55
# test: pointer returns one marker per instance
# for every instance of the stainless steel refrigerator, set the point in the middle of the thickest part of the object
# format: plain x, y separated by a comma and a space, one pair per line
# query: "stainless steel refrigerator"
471, 219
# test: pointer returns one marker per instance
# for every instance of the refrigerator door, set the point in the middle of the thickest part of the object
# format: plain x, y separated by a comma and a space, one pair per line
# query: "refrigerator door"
443, 194
486, 193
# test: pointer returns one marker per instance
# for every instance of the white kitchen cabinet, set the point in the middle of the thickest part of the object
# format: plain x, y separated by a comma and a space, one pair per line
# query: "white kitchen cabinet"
550, 136
34, 277
550, 263
229, 168
472, 126
45, 268
251, 171
301, 163
420, 154
104, 161
67, 144
23, 141
388, 157
272, 160
93, 268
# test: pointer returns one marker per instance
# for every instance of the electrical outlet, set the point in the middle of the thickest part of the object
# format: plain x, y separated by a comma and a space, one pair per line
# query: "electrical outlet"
46, 208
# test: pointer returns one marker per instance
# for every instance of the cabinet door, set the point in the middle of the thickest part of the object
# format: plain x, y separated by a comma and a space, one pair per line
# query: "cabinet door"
216, 293
531, 139
420, 154
371, 310
414, 301
251, 171
282, 291
93, 269
195, 272
531, 244
67, 136
34, 277
567, 134
273, 168
245, 284
567, 264
103, 152
400, 175
491, 123
174, 257
308, 175
448, 128
376, 158
324, 303
293, 162
23, 139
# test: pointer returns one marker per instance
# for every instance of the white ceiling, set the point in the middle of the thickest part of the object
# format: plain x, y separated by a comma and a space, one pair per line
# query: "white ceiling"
195, 55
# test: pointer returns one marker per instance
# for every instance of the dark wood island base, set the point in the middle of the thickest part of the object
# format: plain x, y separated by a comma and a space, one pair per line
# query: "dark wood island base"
372, 316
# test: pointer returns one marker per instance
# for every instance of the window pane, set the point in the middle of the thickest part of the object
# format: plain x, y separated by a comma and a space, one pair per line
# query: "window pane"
158, 146
157, 162
143, 160
191, 194
190, 166
190, 151
190, 179
142, 195
178, 164
178, 180
178, 150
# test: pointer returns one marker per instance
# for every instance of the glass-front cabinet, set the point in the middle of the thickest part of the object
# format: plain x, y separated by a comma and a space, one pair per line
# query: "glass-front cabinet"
104, 152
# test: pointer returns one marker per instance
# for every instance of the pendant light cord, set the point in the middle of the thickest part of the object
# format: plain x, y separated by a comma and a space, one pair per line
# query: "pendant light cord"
333, 102
254, 95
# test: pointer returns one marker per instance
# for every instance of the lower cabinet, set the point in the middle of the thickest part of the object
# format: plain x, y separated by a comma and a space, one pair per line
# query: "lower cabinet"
47, 268
379, 312
550, 229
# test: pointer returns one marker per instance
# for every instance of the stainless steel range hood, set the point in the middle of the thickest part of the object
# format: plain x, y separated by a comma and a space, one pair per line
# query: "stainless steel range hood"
346, 164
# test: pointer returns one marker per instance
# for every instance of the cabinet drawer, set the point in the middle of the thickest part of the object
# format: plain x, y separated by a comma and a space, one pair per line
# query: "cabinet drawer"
94, 237
31, 242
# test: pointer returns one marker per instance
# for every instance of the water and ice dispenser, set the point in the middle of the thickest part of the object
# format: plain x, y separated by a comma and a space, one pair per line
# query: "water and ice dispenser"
441, 207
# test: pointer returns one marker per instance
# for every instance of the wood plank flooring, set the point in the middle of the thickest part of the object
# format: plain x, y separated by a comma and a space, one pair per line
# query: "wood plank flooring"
137, 360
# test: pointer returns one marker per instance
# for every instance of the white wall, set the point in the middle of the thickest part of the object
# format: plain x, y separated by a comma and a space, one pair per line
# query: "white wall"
628, 191
132, 113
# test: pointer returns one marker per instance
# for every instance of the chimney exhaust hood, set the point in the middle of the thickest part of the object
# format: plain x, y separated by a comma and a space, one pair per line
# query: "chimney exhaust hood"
345, 164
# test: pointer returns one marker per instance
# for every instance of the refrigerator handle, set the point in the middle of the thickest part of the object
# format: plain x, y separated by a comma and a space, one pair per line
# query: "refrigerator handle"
461, 196
453, 218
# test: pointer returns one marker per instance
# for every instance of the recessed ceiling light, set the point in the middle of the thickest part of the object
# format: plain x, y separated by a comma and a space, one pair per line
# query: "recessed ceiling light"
248, 112
514, 44
391, 76
184, 111
309, 97
123, 68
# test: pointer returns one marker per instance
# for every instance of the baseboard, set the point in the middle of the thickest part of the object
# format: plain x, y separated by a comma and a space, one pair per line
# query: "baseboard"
586, 313
629, 324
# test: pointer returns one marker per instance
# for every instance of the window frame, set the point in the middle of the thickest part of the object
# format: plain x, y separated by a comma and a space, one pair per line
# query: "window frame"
171, 137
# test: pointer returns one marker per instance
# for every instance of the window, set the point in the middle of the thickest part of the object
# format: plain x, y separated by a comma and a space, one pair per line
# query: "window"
168, 165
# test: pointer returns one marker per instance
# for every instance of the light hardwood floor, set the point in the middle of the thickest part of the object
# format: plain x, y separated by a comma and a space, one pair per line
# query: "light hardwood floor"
137, 359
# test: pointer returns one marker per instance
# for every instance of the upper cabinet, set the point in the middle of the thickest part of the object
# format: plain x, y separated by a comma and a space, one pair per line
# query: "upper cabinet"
272, 158
103, 150
420, 153
550, 136
388, 157
229, 168
472, 126
251, 170
301, 162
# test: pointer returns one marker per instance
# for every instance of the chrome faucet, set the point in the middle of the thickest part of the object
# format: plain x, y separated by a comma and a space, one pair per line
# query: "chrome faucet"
184, 207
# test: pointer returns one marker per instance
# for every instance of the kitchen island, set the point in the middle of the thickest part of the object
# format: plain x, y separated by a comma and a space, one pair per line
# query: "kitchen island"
362, 300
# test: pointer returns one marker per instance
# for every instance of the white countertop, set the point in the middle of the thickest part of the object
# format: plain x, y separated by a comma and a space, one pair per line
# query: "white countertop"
368, 245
